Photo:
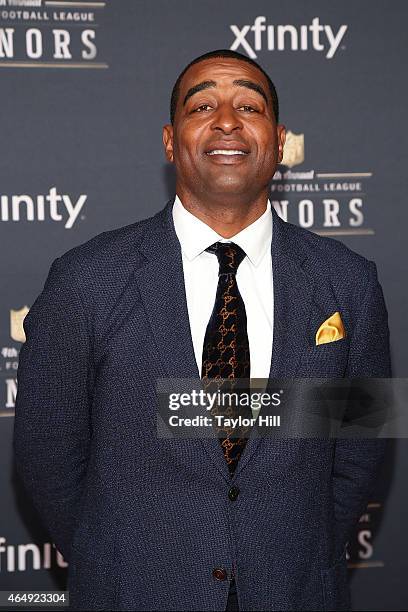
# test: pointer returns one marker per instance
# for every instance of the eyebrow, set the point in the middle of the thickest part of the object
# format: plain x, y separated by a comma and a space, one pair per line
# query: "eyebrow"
238, 83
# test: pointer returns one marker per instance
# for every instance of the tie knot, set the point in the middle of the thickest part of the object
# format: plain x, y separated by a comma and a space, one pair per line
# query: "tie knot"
229, 256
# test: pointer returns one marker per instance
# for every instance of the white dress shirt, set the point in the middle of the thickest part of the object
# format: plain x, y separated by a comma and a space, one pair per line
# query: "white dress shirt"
254, 279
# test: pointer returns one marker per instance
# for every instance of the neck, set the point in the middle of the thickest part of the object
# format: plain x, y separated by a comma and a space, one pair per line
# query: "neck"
228, 216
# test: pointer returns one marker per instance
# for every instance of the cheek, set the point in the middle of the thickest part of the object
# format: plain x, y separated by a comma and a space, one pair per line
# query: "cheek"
186, 146
266, 142
190, 134
268, 153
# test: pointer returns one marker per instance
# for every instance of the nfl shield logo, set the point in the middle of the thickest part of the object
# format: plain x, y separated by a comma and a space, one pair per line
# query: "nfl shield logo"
16, 324
294, 149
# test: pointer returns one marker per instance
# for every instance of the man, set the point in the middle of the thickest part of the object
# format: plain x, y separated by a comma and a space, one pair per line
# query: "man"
149, 523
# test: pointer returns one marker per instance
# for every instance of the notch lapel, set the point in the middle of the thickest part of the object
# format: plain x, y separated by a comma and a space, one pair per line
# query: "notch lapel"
161, 284
162, 289
293, 289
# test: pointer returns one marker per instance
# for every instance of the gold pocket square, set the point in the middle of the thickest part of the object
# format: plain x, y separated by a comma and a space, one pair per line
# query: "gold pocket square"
330, 330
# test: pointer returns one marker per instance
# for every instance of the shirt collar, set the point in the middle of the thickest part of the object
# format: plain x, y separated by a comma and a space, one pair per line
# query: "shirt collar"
195, 236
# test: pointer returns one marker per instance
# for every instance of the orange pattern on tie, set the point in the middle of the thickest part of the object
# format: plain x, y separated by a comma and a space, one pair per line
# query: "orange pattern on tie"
226, 357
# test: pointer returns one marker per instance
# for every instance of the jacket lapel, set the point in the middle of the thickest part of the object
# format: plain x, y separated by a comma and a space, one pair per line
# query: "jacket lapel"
293, 288
161, 284
293, 291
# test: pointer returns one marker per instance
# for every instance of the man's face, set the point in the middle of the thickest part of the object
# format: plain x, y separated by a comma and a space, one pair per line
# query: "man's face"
225, 139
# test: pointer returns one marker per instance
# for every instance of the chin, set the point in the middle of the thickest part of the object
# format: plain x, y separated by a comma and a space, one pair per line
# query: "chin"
229, 186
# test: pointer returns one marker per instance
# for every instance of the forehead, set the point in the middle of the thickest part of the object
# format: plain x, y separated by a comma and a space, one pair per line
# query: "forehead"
223, 71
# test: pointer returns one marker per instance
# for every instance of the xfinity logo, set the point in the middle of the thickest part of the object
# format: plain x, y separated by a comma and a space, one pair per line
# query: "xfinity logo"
52, 206
261, 36
28, 557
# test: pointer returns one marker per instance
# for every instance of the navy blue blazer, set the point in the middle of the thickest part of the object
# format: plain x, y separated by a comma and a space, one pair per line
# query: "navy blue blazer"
144, 521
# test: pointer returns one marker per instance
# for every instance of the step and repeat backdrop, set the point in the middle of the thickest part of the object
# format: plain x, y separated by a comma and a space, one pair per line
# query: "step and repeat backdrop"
85, 91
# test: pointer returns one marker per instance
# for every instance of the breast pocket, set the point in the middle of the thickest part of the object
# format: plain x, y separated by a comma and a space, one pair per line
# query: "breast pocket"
328, 360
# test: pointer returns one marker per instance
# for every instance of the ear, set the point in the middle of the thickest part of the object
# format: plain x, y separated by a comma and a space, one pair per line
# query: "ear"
168, 142
281, 131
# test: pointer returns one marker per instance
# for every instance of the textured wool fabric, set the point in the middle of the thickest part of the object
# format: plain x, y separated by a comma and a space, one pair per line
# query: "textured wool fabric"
144, 521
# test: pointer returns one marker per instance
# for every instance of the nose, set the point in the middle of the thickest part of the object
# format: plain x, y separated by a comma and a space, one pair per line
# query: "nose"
226, 119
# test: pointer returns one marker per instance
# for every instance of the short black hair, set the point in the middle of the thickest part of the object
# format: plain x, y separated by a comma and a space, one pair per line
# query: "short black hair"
222, 53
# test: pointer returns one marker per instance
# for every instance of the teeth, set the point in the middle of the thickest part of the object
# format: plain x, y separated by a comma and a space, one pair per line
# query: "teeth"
226, 152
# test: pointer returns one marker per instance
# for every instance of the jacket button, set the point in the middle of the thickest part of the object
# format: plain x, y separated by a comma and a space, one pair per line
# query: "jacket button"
219, 573
233, 493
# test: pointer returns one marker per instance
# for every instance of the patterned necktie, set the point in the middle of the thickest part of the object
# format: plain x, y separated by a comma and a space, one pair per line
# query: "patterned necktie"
226, 355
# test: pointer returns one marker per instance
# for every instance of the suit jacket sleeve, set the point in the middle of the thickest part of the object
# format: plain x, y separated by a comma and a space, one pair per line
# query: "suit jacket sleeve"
357, 461
52, 429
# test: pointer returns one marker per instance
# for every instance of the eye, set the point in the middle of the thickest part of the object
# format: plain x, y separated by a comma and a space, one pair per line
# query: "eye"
248, 108
200, 108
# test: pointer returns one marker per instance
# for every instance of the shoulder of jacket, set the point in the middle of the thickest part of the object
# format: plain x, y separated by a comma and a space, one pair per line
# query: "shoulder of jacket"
107, 257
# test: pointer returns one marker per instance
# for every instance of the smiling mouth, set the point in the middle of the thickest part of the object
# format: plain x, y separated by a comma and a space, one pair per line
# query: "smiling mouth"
226, 152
